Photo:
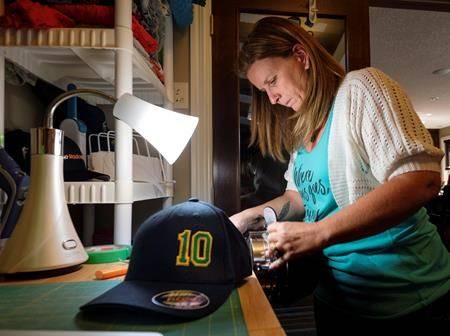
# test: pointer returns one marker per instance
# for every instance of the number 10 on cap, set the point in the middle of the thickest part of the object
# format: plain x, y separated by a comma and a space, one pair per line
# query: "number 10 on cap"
194, 250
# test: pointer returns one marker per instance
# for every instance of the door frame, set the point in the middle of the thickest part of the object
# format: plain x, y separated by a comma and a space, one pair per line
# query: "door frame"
201, 105
225, 84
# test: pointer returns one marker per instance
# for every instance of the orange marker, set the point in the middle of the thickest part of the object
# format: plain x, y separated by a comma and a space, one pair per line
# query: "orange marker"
111, 273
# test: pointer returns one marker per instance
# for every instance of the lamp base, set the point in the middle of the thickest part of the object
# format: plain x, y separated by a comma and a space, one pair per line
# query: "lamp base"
44, 238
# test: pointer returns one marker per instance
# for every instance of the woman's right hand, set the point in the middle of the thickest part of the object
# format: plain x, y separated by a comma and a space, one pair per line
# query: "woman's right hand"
249, 219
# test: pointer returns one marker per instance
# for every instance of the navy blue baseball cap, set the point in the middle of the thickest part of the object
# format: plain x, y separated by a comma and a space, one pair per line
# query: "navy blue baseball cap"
185, 262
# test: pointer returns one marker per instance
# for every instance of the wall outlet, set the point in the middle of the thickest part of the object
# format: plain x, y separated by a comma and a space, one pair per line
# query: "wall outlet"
181, 95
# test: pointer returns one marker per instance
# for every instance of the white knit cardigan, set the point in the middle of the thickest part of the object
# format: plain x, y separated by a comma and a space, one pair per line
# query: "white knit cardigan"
375, 135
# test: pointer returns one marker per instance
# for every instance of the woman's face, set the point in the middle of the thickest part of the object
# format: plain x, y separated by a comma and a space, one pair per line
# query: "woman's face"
283, 79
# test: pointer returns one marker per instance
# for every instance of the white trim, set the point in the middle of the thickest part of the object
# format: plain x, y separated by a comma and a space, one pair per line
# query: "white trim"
201, 103
168, 83
444, 173
124, 133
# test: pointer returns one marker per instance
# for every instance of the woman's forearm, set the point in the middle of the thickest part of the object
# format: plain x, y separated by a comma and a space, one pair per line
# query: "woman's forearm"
288, 206
380, 209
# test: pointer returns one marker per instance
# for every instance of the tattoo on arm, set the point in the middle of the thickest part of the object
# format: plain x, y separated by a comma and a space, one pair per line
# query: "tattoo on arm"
284, 211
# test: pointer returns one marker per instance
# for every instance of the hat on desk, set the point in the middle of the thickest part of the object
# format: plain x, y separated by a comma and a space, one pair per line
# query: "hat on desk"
74, 166
185, 262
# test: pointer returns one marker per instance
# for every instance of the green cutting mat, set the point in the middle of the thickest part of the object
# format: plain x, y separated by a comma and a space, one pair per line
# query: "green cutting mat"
55, 307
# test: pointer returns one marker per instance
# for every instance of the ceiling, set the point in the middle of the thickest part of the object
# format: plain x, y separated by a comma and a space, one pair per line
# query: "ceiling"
409, 45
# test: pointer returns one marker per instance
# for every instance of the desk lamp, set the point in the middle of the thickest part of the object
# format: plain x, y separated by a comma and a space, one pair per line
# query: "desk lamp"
44, 238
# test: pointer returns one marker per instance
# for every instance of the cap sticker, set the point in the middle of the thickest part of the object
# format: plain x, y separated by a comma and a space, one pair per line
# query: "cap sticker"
181, 299
73, 157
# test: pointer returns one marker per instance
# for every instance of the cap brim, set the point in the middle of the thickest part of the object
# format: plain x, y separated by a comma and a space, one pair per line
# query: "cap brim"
139, 295
84, 175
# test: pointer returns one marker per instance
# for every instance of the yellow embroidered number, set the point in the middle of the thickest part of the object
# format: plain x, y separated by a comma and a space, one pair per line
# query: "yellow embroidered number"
200, 251
183, 254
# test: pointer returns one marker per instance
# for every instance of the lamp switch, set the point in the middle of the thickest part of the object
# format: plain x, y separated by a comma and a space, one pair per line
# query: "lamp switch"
181, 95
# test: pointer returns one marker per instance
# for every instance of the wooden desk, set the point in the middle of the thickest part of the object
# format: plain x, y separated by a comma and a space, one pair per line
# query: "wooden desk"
258, 314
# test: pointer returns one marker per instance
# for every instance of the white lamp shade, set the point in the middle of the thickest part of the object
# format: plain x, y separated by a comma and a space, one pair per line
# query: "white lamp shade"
167, 131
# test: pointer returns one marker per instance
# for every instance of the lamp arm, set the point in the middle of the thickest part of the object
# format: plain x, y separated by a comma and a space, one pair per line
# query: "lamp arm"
50, 112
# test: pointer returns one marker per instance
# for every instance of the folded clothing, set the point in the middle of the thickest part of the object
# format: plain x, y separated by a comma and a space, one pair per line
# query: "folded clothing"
30, 14
149, 13
182, 12
104, 16
90, 2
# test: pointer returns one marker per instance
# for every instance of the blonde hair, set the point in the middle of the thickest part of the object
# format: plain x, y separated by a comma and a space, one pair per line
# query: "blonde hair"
277, 128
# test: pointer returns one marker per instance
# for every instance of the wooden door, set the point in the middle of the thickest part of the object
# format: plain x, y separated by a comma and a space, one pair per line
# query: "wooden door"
225, 50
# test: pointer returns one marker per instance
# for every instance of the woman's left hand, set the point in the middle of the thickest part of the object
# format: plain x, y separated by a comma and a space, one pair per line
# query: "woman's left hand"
289, 240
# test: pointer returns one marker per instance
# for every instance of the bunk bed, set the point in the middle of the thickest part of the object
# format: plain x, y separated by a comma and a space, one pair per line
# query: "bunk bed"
105, 59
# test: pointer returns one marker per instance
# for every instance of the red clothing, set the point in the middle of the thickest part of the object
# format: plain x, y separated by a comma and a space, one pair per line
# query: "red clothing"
29, 14
97, 15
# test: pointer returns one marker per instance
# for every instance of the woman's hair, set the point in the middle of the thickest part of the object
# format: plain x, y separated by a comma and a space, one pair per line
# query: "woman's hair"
277, 128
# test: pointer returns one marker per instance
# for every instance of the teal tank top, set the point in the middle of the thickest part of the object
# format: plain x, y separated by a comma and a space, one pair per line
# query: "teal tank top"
385, 275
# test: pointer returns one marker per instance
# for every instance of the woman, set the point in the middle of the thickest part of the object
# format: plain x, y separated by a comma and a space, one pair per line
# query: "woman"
362, 167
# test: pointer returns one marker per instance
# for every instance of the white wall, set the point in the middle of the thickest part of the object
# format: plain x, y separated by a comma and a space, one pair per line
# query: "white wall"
182, 167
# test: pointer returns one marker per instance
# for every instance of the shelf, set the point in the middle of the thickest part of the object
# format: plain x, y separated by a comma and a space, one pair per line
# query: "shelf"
83, 56
93, 192
144, 191
86, 58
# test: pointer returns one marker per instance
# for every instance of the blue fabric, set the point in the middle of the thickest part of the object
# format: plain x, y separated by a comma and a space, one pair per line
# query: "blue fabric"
389, 274
181, 12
